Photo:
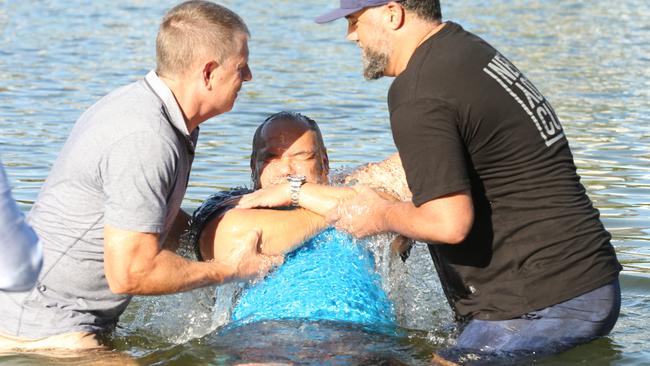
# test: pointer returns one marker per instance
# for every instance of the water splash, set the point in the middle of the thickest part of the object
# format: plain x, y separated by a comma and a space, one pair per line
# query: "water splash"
412, 287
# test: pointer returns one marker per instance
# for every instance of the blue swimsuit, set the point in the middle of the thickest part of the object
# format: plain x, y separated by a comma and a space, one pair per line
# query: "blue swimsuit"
331, 277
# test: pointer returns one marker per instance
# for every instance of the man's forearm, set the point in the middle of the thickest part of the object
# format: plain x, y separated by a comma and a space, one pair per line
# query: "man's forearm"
135, 264
170, 273
426, 224
446, 219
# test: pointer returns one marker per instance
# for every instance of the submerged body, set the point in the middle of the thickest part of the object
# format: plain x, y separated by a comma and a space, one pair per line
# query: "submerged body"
332, 277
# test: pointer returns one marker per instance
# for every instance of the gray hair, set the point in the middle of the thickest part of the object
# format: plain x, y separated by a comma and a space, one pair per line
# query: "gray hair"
194, 29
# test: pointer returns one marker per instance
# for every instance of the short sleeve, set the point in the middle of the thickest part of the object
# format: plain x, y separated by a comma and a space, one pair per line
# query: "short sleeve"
431, 148
138, 176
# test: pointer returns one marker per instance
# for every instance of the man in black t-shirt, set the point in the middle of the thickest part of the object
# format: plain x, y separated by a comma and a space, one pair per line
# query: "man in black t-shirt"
523, 257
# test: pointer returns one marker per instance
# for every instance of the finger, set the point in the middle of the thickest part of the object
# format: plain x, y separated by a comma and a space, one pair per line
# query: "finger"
241, 204
232, 201
359, 188
342, 225
267, 263
254, 200
252, 239
276, 260
360, 234
332, 216
247, 201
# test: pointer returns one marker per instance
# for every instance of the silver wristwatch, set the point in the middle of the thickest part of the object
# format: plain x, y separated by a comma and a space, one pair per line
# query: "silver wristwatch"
295, 182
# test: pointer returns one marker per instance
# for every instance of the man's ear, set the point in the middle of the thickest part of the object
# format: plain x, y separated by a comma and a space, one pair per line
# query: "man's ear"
394, 15
208, 73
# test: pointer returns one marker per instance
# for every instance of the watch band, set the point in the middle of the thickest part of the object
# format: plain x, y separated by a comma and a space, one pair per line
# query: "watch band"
295, 182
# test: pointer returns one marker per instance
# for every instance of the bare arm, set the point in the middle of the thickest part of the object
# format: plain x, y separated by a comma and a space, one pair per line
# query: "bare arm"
446, 219
317, 198
135, 264
387, 175
282, 231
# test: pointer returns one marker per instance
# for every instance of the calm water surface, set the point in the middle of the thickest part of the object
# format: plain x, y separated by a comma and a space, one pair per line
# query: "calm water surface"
591, 59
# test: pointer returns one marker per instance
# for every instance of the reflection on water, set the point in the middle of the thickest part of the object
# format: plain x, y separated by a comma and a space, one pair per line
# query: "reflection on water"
591, 59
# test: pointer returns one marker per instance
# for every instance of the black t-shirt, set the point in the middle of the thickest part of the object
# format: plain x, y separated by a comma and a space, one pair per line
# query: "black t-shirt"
465, 119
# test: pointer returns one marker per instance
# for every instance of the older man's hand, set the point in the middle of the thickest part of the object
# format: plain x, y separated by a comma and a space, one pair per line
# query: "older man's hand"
362, 215
245, 260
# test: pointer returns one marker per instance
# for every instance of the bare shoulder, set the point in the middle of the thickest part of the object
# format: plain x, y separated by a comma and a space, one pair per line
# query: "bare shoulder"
219, 234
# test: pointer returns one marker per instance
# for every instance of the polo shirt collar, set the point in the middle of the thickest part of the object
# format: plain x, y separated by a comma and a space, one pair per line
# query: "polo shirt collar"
172, 109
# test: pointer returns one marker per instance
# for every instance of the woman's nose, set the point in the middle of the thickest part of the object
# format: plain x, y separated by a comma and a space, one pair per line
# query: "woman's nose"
286, 167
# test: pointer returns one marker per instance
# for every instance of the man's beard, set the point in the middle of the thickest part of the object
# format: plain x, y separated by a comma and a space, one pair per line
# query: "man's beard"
376, 59
374, 63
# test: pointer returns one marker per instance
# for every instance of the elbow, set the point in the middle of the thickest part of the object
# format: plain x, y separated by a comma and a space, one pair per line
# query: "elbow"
448, 235
455, 237
122, 286
457, 231
128, 282
450, 218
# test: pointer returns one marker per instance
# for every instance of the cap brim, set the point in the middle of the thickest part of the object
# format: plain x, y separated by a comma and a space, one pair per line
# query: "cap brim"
335, 14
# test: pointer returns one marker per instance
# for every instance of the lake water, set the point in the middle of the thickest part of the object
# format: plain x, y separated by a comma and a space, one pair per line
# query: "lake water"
591, 59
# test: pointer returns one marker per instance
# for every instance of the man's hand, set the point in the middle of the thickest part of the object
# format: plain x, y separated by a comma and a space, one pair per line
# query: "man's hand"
135, 264
277, 195
245, 260
362, 215
447, 219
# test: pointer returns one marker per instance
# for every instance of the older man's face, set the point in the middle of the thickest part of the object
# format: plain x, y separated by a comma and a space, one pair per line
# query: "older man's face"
364, 28
290, 148
232, 73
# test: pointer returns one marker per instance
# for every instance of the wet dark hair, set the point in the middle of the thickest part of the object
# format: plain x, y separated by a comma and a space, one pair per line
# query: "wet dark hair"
216, 205
258, 141
425, 9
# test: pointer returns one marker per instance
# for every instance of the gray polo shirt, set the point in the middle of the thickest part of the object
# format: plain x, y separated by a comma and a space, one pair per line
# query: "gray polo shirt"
125, 163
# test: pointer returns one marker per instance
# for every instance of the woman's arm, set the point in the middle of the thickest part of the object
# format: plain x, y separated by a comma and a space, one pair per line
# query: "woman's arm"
318, 198
282, 230
387, 177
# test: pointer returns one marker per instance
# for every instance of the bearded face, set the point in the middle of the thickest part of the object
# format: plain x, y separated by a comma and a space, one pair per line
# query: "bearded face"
375, 55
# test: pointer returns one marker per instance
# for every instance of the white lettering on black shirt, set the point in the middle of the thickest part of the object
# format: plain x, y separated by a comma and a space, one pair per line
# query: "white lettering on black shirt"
528, 97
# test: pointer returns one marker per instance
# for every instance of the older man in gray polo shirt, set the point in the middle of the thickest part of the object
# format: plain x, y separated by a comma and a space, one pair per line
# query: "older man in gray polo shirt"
114, 194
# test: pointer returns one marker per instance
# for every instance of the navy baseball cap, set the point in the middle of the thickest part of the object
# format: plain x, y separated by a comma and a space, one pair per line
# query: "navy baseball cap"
348, 7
